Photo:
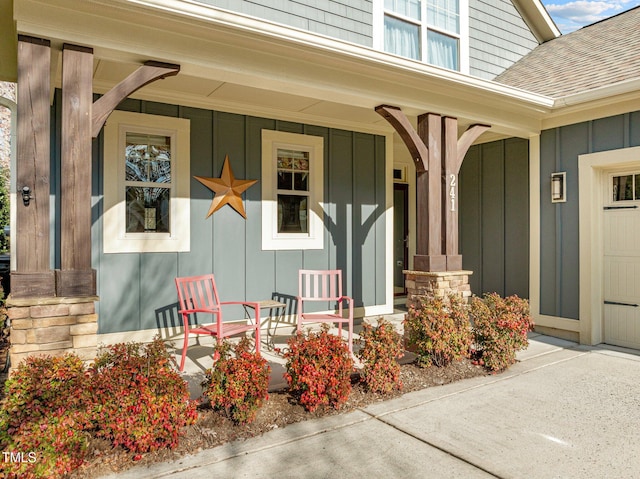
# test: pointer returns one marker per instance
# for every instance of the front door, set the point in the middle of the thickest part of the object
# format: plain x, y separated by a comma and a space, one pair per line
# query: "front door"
622, 259
400, 236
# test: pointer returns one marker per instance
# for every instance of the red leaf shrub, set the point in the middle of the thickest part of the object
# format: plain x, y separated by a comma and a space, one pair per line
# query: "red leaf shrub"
319, 369
500, 327
439, 330
238, 384
43, 417
140, 400
381, 348
131, 395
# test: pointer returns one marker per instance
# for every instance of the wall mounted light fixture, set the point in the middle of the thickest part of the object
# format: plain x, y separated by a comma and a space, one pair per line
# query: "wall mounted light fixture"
26, 195
559, 187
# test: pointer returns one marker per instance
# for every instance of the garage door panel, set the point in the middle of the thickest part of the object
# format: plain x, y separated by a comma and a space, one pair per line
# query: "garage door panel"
621, 326
622, 227
621, 277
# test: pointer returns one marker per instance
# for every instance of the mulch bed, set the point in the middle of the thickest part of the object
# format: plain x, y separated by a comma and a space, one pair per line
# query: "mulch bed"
213, 428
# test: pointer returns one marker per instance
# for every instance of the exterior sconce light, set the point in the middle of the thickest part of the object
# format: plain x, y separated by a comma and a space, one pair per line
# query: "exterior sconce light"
559, 187
26, 195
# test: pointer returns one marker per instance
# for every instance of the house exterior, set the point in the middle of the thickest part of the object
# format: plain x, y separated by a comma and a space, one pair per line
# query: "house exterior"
124, 103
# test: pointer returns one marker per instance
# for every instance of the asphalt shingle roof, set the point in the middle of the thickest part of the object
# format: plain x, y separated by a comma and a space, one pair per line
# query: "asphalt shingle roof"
600, 54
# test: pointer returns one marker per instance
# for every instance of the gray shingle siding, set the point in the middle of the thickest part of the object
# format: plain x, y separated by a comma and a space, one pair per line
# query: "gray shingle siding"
350, 20
498, 37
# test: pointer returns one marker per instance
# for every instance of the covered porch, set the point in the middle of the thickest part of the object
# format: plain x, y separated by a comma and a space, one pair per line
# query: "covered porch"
197, 59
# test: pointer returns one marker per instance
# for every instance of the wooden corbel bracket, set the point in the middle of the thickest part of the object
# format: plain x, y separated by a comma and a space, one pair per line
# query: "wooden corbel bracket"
466, 140
147, 73
399, 121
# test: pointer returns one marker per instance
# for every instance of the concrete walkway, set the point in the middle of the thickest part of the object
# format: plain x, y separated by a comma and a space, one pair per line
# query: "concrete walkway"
564, 411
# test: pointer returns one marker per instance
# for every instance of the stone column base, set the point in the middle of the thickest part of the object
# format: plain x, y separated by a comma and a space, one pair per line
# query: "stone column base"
52, 326
421, 284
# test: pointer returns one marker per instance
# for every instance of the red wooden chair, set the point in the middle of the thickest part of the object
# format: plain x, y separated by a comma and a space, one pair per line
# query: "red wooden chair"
324, 285
198, 294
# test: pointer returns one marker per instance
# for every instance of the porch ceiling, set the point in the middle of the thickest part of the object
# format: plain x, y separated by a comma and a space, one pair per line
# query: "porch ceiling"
203, 92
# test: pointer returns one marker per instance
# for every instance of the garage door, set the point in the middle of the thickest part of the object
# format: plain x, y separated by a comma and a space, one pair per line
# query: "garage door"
622, 260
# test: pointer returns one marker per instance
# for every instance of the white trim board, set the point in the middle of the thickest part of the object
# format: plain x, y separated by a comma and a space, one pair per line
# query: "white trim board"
592, 169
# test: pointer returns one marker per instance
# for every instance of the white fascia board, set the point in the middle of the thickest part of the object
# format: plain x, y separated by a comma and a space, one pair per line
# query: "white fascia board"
538, 19
602, 102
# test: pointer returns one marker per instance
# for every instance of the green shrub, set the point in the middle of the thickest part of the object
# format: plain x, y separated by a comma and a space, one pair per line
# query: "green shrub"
238, 384
500, 327
319, 368
43, 416
140, 400
381, 348
439, 330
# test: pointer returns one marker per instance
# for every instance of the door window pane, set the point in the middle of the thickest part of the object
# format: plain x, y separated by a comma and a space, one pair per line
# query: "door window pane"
623, 188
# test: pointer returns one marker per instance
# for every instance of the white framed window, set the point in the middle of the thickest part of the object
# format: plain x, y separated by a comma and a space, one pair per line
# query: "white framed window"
624, 186
146, 184
432, 31
292, 191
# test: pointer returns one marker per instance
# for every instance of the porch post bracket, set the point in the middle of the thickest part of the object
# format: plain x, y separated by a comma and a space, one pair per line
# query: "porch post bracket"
399, 121
465, 142
147, 73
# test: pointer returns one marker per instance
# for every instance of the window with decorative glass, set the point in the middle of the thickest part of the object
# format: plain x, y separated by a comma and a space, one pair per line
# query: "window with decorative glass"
426, 30
292, 191
146, 183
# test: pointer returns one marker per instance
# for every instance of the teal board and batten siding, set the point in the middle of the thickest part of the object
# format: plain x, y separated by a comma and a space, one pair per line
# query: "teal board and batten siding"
559, 227
498, 37
137, 291
494, 217
350, 20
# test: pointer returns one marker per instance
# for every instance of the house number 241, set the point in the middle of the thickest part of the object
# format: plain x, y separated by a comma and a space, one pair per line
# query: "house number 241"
452, 191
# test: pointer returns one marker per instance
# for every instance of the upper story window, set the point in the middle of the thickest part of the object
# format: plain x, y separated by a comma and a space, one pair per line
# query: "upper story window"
433, 31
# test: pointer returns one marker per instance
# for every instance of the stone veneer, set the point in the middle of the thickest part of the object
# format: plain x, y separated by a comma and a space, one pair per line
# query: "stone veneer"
52, 326
420, 284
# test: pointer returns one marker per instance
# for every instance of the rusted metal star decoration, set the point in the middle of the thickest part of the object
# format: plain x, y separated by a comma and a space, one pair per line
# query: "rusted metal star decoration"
228, 190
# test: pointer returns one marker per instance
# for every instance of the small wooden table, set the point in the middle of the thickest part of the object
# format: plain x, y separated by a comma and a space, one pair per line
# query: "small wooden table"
271, 305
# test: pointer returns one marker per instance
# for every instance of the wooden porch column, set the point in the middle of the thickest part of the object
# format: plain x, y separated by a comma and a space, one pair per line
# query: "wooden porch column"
33, 276
450, 193
429, 252
76, 278
438, 154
